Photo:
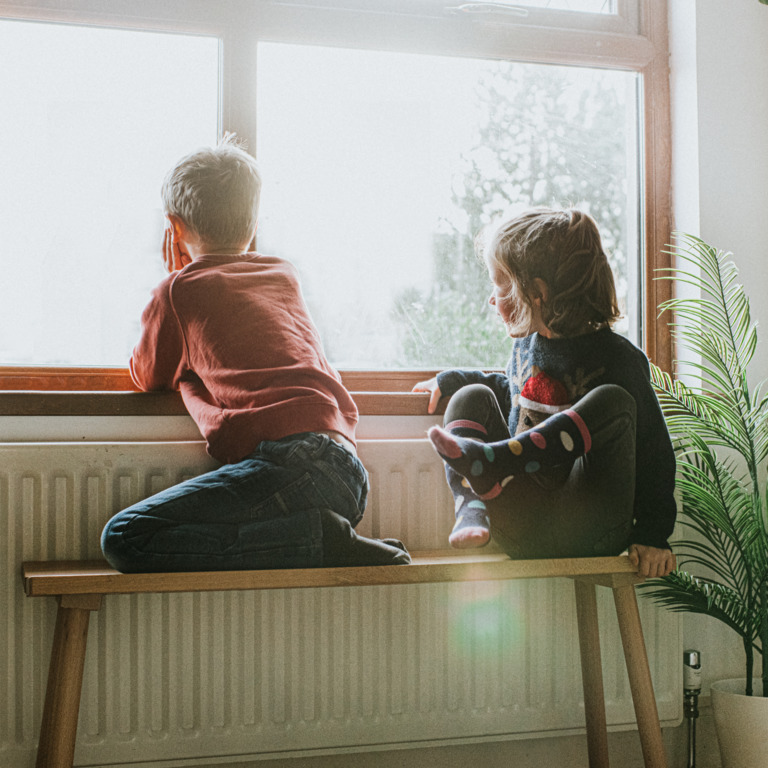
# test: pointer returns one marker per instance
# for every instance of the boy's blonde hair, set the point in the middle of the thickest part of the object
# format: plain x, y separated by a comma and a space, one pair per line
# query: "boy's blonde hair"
215, 192
562, 248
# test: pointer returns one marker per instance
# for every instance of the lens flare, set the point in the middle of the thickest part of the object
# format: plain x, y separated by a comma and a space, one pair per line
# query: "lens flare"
486, 618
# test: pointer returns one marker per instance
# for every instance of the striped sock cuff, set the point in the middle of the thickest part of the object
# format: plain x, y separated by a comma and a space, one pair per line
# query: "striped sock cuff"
466, 424
582, 427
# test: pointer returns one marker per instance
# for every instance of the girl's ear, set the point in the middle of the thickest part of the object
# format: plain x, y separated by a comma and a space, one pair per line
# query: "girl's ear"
541, 290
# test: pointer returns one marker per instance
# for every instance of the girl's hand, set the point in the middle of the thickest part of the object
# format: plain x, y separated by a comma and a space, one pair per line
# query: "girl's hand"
174, 258
652, 562
434, 392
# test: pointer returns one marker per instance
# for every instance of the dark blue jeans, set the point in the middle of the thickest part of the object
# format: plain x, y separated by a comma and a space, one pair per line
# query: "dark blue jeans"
580, 509
293, 503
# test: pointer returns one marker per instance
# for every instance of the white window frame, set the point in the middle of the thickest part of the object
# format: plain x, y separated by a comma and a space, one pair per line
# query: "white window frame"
634, 38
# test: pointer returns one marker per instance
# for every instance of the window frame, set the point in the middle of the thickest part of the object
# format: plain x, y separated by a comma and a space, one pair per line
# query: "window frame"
635, 38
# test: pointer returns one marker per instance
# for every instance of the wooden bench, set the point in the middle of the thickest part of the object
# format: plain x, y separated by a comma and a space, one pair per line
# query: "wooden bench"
80, 586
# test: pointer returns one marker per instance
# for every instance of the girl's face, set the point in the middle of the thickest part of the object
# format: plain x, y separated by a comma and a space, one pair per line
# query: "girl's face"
507, 307
511, 308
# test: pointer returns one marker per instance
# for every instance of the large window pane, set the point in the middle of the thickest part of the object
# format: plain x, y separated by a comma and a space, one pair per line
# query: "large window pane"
380, 169
91, 119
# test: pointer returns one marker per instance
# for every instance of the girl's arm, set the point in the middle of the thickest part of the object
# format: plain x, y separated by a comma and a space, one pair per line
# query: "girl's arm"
447, 383
431, 387
655, 505
452, 381
652, 562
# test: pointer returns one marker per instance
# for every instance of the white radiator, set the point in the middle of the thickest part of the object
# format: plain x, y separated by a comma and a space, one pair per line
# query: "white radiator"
199, 678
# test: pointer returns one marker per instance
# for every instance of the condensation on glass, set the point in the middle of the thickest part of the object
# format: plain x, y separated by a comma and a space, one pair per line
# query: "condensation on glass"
380, 169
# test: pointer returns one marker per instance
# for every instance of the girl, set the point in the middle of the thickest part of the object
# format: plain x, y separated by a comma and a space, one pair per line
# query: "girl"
590, 470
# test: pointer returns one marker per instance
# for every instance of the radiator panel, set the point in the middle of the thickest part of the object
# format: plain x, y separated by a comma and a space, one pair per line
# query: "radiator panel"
187, 676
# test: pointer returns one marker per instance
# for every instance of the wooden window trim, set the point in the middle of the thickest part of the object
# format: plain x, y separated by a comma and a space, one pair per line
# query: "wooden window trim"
89, 404
110, 392
657, 204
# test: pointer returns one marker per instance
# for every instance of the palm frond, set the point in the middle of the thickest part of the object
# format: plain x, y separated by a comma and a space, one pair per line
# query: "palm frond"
681, 591
688, 410
757, 422
722, 543
721, 308
719, 496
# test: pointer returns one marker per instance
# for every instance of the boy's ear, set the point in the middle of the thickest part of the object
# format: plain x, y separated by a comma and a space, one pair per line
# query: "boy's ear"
178, 227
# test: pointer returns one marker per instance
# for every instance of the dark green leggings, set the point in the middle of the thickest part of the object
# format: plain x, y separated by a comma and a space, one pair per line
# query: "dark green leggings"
579, 509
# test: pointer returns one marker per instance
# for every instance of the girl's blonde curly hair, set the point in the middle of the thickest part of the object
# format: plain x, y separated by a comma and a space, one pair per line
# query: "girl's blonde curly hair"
562, 248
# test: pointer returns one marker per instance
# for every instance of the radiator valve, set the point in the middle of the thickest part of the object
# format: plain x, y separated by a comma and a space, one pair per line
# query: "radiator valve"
691, 691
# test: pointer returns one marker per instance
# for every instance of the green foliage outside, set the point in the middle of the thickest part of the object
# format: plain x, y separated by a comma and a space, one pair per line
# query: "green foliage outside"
548, 137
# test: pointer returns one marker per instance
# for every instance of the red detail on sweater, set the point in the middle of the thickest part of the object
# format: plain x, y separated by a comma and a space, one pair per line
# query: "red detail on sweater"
543, 389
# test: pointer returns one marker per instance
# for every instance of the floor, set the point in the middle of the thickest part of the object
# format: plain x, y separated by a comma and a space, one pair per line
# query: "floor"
565, 752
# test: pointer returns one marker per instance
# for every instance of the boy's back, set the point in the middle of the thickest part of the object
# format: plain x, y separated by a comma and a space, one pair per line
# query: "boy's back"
234, 335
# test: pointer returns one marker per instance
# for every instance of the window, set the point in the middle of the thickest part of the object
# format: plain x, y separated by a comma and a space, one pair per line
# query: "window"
380, 169
387, 132
87, 138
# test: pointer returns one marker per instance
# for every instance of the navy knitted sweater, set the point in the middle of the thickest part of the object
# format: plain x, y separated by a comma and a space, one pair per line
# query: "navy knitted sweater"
544, 374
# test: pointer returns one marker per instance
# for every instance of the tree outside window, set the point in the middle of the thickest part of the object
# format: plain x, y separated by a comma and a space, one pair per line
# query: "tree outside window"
547, 137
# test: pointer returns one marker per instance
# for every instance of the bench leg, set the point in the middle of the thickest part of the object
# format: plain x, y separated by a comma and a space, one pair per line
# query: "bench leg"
592, 674
58, 731
639, 677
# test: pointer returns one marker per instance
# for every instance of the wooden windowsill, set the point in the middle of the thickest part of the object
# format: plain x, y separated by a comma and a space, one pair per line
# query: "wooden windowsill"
110, 392
15, 403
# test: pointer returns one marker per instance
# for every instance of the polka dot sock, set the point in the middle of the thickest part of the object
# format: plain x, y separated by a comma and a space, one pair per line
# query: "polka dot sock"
472, 528
490, 466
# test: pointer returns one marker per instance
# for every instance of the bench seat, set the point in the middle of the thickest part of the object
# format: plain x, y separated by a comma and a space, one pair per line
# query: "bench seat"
97, 577
80, 586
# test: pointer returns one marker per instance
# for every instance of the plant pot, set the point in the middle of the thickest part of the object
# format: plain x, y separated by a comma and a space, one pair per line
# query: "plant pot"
741, 723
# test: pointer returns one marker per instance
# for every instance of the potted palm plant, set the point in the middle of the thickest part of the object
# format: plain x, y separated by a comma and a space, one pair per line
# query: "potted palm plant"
719, 424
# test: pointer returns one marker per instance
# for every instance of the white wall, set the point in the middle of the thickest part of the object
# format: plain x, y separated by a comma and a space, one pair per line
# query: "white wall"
720, 145
720, 185
732, 39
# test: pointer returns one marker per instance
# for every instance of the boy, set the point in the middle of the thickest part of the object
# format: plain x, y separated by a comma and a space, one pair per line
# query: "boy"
229, 329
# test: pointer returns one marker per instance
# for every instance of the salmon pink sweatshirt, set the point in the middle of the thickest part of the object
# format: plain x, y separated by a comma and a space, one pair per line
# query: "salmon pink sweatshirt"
234, 335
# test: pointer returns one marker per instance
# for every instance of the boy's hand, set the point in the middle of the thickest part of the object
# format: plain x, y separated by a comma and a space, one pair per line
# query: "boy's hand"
434, 392
174, 258
652, 562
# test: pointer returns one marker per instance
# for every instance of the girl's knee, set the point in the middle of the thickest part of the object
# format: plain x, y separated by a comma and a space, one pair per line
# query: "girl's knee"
612, 398
470, 402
